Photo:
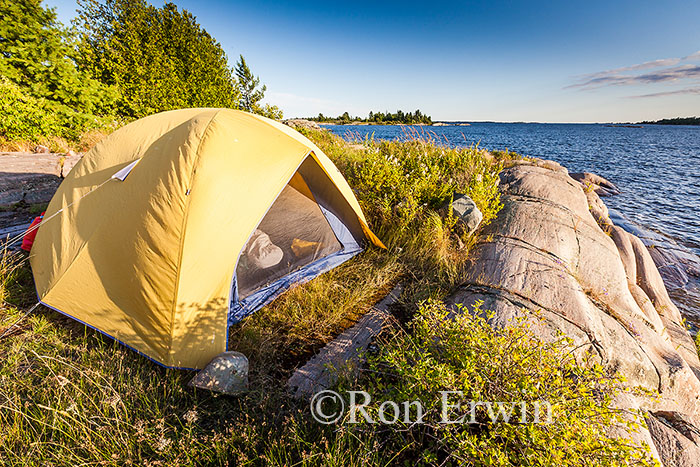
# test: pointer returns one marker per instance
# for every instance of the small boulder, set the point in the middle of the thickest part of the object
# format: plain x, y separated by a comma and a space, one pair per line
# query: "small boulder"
464, 208
298, 123
39, 149
226, 373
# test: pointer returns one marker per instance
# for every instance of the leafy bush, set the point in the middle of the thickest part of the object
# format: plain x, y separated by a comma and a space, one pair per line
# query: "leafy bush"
402, 185
29, 118
511, 366
36, 53
399, 182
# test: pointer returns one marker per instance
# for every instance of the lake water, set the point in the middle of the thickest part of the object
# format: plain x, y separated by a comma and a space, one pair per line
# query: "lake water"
657, 168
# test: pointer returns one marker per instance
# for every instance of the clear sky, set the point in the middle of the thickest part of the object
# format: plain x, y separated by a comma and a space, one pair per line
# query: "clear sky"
558, 61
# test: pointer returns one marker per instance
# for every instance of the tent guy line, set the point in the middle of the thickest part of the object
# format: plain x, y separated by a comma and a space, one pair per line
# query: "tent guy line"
24, 316
121, 175
19, 237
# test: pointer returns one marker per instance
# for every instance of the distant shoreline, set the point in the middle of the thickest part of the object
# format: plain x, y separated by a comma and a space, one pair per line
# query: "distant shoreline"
371, 123
695, 121
394, 123
607, 124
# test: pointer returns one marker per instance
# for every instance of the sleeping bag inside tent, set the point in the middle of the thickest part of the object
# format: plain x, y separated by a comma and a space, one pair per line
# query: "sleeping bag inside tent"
181, 224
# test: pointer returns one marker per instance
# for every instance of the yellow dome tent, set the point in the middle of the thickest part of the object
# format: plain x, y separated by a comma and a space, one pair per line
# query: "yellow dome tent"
180, 224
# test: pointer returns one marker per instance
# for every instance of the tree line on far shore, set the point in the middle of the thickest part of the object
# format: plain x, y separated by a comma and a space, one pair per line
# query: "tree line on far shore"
119, 60
399, 117
675, 121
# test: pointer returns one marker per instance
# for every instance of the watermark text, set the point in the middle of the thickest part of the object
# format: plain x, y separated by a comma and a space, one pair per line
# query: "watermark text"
331, 407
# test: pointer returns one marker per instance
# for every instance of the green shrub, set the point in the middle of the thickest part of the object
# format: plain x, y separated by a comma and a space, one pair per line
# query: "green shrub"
510, 366
37, 53
27, 118
400, 182
401, 187
24, 117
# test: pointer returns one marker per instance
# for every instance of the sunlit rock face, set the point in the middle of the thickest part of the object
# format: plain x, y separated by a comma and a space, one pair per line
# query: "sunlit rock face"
554, 251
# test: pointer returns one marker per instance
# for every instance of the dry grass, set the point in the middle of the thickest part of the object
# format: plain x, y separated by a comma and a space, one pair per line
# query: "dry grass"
16, 146
90, 138
57, 144
286, 333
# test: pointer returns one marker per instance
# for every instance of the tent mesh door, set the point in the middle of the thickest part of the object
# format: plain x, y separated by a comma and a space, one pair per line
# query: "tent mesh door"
293, 233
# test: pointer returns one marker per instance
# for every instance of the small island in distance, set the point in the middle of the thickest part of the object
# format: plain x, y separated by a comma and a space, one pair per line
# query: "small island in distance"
674, 121
384, 118
378, 118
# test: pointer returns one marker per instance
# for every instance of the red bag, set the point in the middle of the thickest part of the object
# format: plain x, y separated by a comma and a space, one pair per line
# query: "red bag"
30, 235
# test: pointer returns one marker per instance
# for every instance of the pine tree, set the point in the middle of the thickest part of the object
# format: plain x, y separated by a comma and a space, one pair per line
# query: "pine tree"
251, 93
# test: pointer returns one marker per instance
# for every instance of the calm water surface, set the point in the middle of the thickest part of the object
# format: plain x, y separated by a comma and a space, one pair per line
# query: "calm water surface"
657, 168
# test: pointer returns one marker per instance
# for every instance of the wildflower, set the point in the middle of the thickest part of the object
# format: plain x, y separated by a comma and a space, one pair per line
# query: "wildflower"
190, 416
162, 443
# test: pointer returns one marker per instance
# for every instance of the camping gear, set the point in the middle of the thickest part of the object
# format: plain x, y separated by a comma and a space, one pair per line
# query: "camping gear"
261, 252
158, 256
30, 234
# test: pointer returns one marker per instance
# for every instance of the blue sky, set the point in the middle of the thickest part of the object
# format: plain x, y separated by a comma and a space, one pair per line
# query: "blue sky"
556, 61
